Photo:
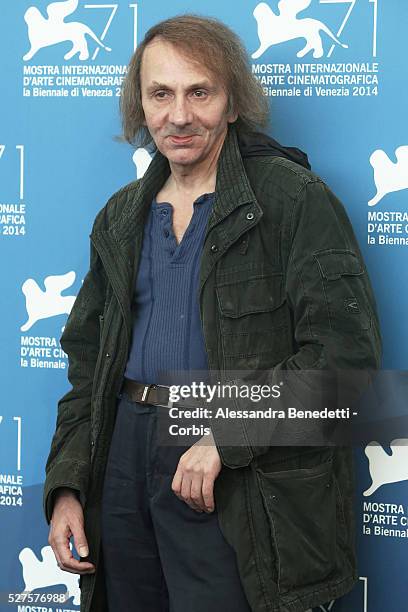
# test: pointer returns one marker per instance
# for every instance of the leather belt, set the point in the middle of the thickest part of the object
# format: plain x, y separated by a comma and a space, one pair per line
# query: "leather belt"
158, 395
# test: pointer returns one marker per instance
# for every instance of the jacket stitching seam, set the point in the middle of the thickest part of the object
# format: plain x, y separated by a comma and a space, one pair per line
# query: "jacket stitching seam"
278, 160
72, 461
298, 204
328, 586
326, 304
254, 548
305, 297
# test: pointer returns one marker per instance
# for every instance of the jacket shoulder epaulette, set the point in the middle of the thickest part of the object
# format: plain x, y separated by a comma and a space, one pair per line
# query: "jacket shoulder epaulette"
275, 176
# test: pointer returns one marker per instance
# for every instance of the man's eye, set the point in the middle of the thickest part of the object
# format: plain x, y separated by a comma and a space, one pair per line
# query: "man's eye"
199, 93
160, 94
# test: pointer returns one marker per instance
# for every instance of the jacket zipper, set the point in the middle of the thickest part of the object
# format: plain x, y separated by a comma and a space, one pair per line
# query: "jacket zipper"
101, 320
106, 369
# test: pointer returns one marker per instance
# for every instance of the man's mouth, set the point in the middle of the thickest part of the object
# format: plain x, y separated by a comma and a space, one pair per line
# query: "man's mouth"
181, 139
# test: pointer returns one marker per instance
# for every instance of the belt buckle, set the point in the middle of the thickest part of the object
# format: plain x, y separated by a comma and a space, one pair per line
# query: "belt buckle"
170, 403
146, 391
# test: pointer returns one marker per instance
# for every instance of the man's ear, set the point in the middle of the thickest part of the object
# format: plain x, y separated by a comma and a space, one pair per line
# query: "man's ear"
232, 115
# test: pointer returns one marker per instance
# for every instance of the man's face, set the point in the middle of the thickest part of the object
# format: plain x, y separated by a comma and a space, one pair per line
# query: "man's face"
184, 105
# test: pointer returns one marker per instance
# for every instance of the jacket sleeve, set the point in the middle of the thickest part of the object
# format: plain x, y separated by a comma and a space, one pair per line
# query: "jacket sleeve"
68, 463
334, 318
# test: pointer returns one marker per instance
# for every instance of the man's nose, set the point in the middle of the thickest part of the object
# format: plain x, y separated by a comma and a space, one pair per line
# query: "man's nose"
180, 112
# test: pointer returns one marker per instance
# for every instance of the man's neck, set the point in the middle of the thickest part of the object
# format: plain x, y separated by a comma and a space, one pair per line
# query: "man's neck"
190, 185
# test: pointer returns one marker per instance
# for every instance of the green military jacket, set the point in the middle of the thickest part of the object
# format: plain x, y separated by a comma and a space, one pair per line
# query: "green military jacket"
279, 265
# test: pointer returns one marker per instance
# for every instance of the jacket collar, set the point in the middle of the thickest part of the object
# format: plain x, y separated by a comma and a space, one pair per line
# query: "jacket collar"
232, 190
232, 185
119, 246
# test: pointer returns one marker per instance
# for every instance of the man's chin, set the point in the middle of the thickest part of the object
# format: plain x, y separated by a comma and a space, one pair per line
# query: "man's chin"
182, 157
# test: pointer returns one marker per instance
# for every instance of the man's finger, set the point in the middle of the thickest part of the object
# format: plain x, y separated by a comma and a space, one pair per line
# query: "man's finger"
80, 541
186, 493
176, 487
208, 493
196, 492
51, 542
67, 561
176, 483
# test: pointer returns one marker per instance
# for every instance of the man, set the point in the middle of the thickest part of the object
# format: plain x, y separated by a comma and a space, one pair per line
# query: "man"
236, 256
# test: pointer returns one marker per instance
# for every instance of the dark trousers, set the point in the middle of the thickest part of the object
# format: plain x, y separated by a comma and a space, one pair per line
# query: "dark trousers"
160, 555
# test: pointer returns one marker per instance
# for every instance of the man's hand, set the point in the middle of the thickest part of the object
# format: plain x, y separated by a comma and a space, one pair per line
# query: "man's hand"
196, 472
68, 520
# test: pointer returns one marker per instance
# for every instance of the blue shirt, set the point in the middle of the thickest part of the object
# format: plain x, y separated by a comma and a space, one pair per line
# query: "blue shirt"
167, 331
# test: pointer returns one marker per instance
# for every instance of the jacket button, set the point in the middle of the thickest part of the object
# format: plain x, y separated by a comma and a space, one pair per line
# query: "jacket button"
107, 355
250, 216
214, 248
92, 443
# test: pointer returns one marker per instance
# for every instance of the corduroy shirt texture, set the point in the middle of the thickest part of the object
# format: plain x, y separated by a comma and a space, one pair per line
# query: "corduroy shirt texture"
167, 340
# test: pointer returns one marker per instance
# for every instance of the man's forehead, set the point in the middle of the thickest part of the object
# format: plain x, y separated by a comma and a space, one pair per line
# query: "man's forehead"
159, 44
155, 59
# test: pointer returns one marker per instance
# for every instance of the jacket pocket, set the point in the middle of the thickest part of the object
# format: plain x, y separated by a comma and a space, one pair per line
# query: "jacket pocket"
301, 508
254, 320
250, 295
344, 280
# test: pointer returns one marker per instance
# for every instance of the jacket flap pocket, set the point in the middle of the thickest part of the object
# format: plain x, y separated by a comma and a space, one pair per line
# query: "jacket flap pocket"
257, 294
301, 506
335, 263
